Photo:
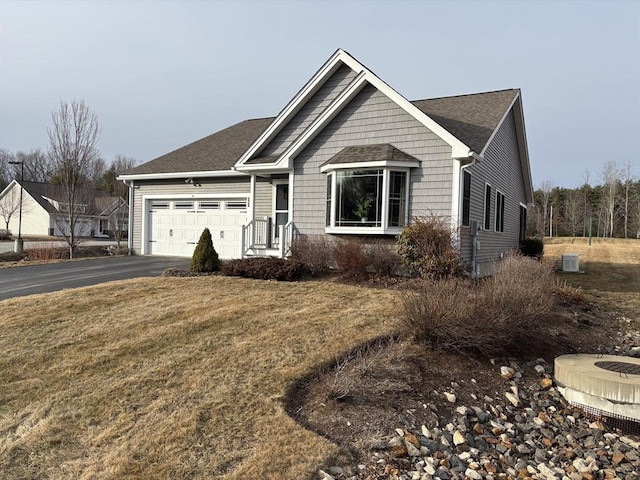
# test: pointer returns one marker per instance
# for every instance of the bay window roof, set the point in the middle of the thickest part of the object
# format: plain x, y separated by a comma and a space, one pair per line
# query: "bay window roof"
361, 156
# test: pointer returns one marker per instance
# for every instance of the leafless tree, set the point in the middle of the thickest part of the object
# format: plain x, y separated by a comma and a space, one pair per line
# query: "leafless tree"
610, 181
37, 166
585, 192
72, 150
635, 208
5, 174
9, 205
118, 217
546, 188
574, 211
627, 183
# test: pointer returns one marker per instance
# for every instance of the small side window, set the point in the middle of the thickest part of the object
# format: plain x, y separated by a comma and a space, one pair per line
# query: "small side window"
466, 198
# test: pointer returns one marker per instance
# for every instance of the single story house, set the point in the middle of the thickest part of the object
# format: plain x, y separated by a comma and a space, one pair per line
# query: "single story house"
347, 156
44, 211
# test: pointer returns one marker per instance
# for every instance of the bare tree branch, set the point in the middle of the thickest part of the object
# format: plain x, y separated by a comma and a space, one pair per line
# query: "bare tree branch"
72, 149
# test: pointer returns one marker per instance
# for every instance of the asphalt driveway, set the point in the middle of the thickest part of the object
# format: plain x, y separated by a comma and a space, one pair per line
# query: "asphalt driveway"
28, 280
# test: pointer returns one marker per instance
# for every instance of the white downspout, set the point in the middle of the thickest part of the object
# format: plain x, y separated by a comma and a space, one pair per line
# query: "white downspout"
130, 226
474, 234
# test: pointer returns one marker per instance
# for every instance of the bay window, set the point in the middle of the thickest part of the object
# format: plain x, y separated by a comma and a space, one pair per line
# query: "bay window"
365, 200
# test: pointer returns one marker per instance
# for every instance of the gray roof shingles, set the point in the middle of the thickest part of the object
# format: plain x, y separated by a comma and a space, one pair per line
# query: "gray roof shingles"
470, 118
218, 151
370, 153
100, 201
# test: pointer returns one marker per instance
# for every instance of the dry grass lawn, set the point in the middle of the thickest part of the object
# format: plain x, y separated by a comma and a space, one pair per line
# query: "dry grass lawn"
172, 377
611, 269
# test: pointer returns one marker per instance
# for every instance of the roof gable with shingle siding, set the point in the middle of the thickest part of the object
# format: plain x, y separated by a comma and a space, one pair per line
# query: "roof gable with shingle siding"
308, 112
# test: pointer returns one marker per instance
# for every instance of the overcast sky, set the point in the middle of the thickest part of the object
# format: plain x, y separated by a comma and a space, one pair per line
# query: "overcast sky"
162, 74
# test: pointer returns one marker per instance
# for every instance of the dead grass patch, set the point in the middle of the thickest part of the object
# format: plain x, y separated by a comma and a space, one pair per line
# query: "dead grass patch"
611, 269
172, 377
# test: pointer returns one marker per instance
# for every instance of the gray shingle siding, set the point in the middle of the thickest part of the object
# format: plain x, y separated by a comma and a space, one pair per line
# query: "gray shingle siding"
372, 118
264, 198
308, 113
501, 169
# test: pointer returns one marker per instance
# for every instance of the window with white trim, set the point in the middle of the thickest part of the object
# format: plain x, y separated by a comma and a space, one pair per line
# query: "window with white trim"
236, 205
523, 223
499, 212
487, 207
183, 205
466, 198
367, 200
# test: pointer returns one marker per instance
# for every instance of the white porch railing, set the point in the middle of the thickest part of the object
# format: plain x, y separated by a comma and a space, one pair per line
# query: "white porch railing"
257, 236
285, 236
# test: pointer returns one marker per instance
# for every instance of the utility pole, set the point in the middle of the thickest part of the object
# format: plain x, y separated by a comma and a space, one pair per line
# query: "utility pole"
19, 244
551, 221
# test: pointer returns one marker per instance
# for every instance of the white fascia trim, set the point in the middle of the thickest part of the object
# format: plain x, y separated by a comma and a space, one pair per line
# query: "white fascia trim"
266, 168
367, 165
171, 175
294, 105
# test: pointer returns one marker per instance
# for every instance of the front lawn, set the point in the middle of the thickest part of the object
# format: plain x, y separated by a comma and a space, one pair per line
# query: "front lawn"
172, 377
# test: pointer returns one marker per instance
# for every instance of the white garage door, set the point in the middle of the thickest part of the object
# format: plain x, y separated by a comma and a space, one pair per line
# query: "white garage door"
175, 226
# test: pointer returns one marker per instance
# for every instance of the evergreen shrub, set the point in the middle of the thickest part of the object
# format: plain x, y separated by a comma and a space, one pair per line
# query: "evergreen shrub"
265, 268
205, 257
532, 247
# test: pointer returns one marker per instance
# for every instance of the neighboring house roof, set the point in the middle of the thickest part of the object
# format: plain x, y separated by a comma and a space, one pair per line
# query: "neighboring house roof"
382, 152
216, 152
471, 118
41, 191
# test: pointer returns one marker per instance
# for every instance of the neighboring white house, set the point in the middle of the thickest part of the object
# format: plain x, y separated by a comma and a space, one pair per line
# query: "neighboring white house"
348, 156
44, 212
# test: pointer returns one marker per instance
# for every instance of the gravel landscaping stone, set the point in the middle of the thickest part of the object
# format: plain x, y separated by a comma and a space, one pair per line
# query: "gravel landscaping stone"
530, 432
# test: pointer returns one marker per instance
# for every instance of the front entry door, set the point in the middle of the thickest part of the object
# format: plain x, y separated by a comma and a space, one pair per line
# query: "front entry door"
280, 207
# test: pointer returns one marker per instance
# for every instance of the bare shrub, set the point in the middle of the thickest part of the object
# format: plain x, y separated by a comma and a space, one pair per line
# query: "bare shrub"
339, 381
383, 259
568, 294
426, 247
498, 315
522, 287
351, 258
44, 252
315, 252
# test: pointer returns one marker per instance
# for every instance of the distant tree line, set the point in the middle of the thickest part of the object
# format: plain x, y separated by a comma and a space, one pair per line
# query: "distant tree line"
611, 208
38, 167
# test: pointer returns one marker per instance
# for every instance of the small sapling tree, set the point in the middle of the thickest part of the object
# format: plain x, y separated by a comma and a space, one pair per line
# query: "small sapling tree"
205, 257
